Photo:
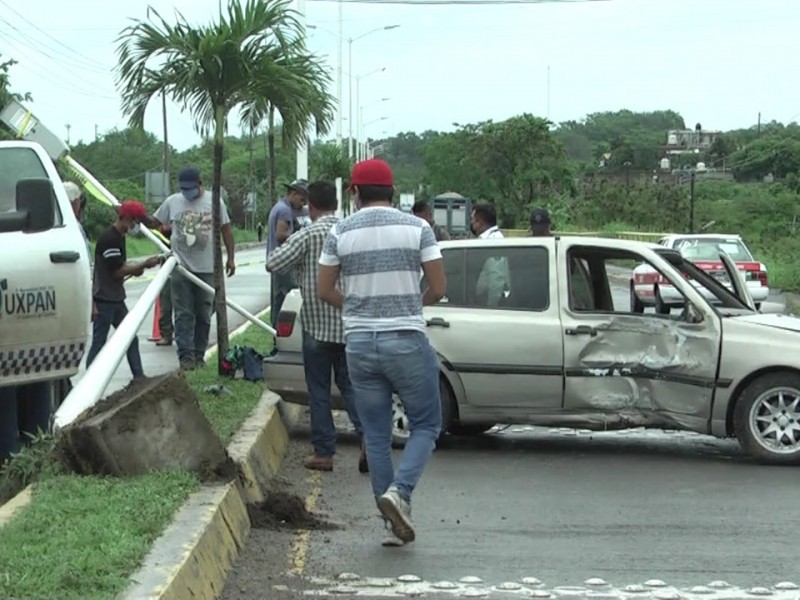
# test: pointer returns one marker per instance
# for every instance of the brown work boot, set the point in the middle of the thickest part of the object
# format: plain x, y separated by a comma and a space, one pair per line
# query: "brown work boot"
363, 466
165, 341
319, 463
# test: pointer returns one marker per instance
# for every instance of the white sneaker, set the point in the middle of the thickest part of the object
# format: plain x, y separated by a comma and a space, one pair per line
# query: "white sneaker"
398, 512
390, 539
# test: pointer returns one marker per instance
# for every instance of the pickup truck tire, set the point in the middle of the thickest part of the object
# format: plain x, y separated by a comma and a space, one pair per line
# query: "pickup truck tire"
636, 304
400, 426
767, 408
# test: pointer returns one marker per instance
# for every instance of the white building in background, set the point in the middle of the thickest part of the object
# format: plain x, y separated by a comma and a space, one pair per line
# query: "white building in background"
680, 141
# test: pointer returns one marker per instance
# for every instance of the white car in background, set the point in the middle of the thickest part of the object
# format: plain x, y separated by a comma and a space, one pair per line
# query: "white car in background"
649, 289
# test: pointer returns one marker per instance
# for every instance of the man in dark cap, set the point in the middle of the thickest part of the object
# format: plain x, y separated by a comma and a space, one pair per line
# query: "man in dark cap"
281, 224
189, 216
540, 222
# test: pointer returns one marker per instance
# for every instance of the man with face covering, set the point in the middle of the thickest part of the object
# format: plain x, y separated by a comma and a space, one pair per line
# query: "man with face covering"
189, 216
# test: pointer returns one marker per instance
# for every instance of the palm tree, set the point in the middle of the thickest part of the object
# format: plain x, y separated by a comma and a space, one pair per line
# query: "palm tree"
210, 70
297, 102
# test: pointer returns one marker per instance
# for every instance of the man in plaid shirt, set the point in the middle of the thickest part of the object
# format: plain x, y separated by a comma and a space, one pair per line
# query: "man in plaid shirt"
323, 332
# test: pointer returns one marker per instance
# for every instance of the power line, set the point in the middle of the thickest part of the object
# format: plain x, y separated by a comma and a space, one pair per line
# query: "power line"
89, 61
460, 2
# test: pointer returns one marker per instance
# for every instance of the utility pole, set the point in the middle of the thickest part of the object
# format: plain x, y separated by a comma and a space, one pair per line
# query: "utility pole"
758, 132
350, 98
301, 169
166, 143
96, 135
68, 128
548, 92
339, 80
691, 203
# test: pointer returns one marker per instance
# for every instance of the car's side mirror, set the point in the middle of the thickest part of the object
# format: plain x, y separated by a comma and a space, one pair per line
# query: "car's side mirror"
691, 314
35, 197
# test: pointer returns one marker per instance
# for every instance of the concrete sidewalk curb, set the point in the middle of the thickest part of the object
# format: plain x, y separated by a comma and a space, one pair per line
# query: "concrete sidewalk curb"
12, 506
194, 555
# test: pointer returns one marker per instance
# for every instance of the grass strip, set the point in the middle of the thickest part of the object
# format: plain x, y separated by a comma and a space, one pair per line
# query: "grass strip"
83, 537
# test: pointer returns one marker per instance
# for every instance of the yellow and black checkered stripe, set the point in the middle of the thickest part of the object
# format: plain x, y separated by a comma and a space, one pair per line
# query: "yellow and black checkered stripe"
41, 359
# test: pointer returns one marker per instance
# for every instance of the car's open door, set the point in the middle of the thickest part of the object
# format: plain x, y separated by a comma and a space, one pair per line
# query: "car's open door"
737, 281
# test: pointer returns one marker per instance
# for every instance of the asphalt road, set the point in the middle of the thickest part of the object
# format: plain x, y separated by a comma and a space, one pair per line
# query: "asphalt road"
249, 287
673, 510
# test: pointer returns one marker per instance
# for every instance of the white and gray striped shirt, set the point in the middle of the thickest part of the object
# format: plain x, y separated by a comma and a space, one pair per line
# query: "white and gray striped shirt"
380, 251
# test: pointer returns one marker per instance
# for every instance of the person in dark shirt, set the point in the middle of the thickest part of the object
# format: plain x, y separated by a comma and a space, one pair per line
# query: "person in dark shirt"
108, 287
423, 210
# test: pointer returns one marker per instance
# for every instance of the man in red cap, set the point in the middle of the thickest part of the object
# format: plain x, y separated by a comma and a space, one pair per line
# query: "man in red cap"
376, 255
108, 287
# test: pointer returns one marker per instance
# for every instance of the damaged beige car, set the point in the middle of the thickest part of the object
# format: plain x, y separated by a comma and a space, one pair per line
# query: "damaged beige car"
539, 331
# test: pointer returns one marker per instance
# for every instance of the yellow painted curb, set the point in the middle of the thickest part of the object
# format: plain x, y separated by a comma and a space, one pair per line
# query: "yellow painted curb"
10, 508
258, 447
193, 557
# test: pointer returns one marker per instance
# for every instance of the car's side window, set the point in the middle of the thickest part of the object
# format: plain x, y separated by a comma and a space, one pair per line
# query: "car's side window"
607, 287
507, 278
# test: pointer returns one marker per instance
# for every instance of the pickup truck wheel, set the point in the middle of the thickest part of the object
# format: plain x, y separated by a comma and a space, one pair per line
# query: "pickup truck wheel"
636, 304
766, 419
661, 308
400, 425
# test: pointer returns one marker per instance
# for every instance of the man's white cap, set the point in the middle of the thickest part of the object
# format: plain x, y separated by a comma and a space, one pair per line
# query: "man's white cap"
73, 191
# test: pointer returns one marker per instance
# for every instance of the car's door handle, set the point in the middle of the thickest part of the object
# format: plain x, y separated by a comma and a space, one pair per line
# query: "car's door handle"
65, 256
581, 330
437, 322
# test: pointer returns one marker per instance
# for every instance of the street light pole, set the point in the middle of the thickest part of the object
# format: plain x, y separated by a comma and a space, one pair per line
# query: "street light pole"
302, 145
339, 80
350, 98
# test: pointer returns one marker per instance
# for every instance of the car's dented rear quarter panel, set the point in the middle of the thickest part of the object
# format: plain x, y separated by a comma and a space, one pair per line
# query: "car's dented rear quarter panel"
748, 350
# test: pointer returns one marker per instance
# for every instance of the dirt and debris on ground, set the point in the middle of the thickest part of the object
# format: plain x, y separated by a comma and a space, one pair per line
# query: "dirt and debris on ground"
285, 510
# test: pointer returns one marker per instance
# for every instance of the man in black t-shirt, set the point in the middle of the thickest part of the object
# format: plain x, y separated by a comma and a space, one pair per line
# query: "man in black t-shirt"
108, 287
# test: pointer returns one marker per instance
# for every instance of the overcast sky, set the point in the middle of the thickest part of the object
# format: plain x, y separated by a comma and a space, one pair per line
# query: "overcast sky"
717, 62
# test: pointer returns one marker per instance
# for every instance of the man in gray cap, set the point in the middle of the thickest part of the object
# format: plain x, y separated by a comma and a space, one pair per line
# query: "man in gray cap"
281, 224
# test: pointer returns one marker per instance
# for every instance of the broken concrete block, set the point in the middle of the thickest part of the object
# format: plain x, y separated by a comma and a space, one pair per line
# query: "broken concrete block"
152, 424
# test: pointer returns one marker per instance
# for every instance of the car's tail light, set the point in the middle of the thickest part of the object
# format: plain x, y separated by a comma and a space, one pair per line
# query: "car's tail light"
762, 277
285, 325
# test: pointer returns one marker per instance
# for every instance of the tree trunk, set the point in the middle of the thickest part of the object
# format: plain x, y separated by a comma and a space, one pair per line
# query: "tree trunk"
220, 303
273, 164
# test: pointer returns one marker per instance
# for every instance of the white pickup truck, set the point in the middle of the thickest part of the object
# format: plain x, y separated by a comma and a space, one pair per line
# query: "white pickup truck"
45, 280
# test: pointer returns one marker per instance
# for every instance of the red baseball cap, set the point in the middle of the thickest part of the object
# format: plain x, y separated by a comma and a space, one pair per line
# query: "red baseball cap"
131, 209
371, 172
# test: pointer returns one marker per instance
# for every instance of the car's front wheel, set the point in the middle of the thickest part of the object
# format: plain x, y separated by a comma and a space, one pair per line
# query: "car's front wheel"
400, 425
766, 418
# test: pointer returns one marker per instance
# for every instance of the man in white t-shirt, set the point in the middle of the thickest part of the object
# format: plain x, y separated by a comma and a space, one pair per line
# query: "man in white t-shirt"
375, 255
189, 215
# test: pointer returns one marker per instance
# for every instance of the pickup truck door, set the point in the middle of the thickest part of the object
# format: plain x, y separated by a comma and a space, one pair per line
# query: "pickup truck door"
634, 368
506, 352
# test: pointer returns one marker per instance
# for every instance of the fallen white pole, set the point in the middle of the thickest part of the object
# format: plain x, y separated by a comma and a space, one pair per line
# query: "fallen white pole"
149, 234
97, 377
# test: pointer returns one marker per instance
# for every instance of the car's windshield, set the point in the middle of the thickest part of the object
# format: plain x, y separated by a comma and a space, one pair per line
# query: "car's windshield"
16, 164
700, 279
706, 248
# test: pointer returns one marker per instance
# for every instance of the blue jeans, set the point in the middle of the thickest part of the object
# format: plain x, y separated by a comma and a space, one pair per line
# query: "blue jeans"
280, 285
111, 314
403, 362
24, 409
193, 308
319, 359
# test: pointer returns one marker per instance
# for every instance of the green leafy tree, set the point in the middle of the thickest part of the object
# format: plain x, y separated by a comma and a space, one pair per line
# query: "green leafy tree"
328, 161
210, 70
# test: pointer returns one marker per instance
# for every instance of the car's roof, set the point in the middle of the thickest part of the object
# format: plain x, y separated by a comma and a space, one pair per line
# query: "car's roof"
707, 236
602, 242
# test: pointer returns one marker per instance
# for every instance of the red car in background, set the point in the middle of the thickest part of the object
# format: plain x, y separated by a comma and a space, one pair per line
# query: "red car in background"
648, 288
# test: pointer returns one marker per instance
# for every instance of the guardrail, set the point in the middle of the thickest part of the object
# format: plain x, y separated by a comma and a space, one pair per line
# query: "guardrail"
638, 236
91, 386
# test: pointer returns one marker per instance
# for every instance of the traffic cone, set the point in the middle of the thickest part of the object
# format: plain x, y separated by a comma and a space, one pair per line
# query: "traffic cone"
156, 336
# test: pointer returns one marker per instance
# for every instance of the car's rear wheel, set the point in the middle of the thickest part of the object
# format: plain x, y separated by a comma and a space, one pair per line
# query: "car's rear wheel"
636, 304
766, 418
400, 425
